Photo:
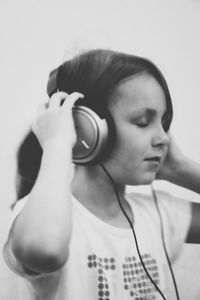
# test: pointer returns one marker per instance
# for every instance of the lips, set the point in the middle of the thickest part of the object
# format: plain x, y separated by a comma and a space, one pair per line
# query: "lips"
154, 159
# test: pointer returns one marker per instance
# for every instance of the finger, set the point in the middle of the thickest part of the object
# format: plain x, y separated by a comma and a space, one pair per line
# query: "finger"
41, 108
37, 113
72, 98
55, 100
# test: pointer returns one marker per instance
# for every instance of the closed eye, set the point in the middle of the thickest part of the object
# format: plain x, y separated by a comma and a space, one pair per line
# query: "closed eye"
142, 124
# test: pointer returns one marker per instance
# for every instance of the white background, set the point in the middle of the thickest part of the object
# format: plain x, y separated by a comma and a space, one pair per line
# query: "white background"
38, 35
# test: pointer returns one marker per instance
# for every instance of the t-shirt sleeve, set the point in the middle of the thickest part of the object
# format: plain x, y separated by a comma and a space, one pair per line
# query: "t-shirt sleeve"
8, 254
177, 215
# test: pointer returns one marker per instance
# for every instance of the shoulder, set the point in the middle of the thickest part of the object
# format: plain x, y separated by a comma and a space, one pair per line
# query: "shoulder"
176, 213
165, 200
170, 214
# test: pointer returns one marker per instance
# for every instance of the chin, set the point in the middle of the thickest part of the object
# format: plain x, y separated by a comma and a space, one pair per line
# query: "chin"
139, 178
146, 179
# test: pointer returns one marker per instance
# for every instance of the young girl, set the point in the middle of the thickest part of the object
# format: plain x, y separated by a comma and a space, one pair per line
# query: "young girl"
76, 234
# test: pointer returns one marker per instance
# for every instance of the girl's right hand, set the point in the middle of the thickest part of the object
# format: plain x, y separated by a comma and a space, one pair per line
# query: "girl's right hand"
55, 123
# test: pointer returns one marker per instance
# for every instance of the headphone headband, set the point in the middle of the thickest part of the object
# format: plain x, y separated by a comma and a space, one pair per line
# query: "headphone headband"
53, 82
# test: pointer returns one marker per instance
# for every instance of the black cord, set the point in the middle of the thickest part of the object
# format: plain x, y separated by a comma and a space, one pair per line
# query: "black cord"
164, 244
134, 234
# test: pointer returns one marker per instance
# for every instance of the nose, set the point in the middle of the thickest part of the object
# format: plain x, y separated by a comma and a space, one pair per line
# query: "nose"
160, 138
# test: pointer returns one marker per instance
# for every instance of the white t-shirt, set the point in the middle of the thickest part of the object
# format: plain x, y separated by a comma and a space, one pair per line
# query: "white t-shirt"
103, 262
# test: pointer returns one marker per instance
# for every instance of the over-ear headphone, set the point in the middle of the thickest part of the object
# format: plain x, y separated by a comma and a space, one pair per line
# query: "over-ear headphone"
95, 132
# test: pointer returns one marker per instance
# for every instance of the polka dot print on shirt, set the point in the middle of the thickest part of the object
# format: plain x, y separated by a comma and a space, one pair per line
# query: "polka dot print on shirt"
135, 280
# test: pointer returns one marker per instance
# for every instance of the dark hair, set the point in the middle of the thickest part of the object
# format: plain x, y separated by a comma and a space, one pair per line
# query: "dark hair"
96, 74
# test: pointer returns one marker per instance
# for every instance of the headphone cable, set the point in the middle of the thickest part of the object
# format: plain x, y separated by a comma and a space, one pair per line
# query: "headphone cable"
134, 234
163, 242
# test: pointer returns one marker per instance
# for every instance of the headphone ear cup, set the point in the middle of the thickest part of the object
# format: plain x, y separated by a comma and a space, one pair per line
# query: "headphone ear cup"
111, 138
93, 136
95, 130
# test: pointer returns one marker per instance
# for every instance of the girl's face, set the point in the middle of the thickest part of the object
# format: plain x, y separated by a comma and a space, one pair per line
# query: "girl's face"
138, 106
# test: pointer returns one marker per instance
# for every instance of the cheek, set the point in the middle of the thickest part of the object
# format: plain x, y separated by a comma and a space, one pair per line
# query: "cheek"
165, 150
130, 145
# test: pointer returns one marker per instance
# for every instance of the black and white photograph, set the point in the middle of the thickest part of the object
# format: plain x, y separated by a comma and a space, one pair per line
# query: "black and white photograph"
100, 150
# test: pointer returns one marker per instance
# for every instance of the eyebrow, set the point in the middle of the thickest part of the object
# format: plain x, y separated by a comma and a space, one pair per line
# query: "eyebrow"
146, 111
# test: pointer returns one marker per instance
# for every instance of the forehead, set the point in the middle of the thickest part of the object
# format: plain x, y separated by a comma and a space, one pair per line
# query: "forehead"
136, 93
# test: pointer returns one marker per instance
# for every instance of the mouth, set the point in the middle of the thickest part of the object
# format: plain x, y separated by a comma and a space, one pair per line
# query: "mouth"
156, 159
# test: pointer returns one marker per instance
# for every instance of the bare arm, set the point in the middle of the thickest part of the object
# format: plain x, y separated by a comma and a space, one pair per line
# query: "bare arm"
41, 234
188, 176
182, 171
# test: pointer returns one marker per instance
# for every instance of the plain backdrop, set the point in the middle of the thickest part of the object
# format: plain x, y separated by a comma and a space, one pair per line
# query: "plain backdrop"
37, 35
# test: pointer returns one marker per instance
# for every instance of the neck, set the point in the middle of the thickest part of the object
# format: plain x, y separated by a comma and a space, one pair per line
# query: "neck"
93, 188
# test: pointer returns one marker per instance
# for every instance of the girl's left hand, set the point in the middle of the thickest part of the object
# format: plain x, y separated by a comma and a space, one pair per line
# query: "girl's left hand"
171, 163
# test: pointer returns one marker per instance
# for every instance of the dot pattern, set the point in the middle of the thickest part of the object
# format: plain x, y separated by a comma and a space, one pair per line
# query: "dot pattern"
135, 280
102, 265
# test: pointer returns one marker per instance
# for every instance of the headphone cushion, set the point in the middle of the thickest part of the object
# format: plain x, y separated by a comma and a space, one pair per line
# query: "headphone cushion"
95, 135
